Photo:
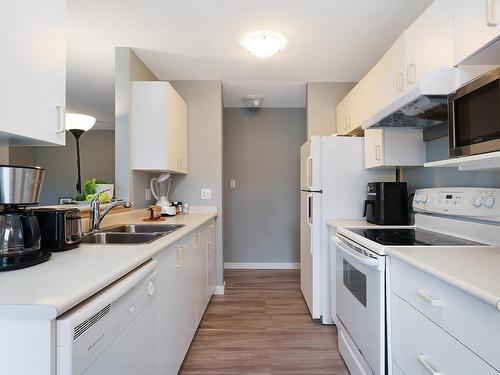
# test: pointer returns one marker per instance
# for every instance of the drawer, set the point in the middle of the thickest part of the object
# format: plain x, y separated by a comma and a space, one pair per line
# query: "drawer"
470, 320
419, 346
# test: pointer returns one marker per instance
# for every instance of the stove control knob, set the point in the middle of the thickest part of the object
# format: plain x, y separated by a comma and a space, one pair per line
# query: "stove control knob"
477, 201
417, 198
489, 203
424, 198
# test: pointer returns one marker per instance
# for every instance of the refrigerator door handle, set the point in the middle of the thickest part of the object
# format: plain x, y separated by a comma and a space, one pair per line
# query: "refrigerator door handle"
309, 172
309, 209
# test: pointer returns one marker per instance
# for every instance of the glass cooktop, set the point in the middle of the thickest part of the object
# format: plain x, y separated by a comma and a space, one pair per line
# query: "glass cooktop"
411, 237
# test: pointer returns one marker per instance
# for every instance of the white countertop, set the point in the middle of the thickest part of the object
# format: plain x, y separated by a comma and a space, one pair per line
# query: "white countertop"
475, 270
348, 223
47, 290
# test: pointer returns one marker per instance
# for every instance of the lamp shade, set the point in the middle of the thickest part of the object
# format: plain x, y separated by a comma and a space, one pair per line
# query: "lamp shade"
79, 121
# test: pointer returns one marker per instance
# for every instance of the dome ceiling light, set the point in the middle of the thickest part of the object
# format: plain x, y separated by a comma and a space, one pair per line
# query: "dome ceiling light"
264, 43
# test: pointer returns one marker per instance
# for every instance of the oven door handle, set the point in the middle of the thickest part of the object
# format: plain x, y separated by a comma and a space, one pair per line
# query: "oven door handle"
365, 260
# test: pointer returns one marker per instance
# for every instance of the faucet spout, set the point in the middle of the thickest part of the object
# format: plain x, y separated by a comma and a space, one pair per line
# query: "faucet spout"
96, 216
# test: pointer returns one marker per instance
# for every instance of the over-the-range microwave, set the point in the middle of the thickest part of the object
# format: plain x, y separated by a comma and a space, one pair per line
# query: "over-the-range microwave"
474, 116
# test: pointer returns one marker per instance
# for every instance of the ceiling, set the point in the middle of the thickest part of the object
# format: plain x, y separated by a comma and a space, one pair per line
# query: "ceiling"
328, 40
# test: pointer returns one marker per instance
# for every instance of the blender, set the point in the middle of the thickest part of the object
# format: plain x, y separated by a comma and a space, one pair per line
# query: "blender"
160, 188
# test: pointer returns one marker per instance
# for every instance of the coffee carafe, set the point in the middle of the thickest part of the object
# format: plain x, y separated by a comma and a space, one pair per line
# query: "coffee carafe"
20, 188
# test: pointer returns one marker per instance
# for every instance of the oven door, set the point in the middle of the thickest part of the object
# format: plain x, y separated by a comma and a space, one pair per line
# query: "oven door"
361, 300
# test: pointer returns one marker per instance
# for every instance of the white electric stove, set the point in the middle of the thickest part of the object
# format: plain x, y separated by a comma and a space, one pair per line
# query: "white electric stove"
444, 217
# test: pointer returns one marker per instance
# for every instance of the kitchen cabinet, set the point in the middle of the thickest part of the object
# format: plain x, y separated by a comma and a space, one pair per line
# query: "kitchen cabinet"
429, 42
444, 323
183, 274
398, 147
475, 24
33, 72
159, 125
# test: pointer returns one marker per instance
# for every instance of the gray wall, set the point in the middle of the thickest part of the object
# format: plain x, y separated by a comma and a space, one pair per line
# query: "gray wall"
322, 100
130, 185
97, 160
261, 152
443, 177
204, 102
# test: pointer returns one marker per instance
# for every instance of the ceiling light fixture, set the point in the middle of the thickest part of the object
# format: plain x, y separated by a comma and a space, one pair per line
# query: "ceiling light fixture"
263, 43
253, 101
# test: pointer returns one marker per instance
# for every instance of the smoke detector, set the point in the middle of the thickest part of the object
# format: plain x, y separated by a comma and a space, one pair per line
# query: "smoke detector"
253, 101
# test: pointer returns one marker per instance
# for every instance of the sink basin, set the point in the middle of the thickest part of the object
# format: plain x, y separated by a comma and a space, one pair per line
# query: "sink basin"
105, 238
143, 228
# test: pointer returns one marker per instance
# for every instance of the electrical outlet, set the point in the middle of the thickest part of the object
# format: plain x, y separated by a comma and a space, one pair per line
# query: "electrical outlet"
148, 194
232, 184
206, 194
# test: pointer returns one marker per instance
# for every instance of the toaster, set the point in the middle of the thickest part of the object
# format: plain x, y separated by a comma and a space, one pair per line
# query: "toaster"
60, 228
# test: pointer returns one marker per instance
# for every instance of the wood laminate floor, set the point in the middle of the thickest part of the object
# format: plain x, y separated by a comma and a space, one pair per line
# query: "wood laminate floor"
261, 326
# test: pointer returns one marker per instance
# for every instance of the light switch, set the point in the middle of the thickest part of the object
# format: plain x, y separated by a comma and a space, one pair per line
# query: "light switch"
232, 184
206, 194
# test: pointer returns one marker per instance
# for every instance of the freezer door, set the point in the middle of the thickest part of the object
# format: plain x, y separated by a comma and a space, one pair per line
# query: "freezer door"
310, 165
310, 251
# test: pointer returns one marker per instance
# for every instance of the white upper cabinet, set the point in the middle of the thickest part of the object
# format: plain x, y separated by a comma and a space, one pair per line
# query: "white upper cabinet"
429, 42
159, 128
476, 24
32, 72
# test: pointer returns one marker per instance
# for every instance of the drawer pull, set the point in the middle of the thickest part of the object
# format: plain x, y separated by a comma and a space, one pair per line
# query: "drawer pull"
422, 293
423, 361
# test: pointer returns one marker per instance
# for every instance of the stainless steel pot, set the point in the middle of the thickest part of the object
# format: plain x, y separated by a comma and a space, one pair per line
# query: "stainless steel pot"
20, 185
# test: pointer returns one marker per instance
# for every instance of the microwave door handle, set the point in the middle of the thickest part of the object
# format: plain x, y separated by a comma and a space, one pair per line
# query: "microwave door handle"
365, 260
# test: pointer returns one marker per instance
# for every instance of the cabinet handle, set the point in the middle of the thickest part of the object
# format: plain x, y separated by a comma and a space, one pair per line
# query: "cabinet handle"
422, 293
349, 123
399, 81
180, 258
346, 127
491, 14
423, 361
61, 120
184, 254
412, 73
378, 152
198, 240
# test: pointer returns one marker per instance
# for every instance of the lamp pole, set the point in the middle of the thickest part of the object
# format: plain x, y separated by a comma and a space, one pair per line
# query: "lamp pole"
77, 134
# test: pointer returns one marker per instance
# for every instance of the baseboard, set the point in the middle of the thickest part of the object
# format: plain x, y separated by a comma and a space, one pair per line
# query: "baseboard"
261, 266
219, 289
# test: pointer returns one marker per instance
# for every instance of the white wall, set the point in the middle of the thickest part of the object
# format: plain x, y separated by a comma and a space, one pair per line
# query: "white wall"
204, 102
322, 99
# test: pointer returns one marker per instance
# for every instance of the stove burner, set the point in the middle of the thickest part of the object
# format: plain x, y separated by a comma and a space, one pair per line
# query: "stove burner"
411, 237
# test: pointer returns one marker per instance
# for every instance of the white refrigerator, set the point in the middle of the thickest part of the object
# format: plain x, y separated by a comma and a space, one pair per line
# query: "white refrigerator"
333, 182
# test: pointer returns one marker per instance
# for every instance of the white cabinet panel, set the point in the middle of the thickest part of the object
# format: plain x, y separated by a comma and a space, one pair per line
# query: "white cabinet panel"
420, 347
476, 24
32, 72
159, 128
429, 42
396, 147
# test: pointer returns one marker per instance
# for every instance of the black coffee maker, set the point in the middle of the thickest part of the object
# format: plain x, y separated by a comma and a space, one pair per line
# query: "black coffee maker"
387, 203
20, 188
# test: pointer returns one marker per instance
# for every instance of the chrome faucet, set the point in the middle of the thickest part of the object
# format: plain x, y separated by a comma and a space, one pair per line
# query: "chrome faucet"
96, 216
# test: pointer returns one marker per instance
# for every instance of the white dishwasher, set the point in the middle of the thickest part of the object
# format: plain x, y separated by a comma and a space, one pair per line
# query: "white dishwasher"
113, 332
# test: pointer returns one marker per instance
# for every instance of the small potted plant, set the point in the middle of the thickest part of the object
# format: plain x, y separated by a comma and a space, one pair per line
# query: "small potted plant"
93, 186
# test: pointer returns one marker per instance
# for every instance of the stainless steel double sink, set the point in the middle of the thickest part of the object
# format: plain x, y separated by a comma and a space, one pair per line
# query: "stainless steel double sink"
130, 234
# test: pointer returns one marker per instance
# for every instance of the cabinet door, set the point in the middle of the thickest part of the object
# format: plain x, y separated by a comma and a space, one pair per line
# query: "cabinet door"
211, 260
476, 24
429, 41
32, 72
374, 148
172, 335
201, 275
389, 74
177, 132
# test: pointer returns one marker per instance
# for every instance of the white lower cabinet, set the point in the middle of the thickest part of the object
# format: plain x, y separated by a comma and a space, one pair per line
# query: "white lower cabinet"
437, 327
183, 274
421, 347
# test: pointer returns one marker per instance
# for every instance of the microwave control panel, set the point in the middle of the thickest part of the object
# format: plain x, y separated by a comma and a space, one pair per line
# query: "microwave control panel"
480, 203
